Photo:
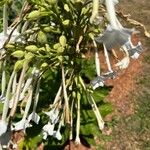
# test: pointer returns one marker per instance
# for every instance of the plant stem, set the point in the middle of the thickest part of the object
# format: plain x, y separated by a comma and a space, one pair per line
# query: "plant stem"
18, 90
6, 103
5, 19
65, 97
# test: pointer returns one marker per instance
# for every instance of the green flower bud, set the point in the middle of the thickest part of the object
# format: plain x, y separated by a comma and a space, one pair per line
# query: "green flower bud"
34, 15
66, 22
32, 48
56, 46
18, 54
29, 56
66, 7
18, 65
41, 37
10, 46
62, 40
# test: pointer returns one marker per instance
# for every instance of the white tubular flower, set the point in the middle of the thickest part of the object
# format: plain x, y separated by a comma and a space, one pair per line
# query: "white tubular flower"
3, 127
21, 125
49, 128
97, 82
53, 115
57, 135
34, 117
124, 63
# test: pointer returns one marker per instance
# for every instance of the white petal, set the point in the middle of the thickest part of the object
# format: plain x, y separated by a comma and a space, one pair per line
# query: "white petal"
49, 128
3, 127
21, 125
135, 56
57, 135
123, 63
34, 117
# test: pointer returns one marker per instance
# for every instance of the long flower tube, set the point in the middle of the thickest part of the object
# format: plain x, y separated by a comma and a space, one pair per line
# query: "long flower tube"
77, 138
107, 59
111, 13
97, 113
3, 83
7, 98
97, 59
27, 84
71, 120
67, 112
5, 19
94, 10
93, 105
18, 90
34, 116
14, 85
23, 123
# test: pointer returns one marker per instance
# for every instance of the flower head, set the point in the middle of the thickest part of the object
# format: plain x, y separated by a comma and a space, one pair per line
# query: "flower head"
49, 128
21, 125
34, 117
53, 115
98, 82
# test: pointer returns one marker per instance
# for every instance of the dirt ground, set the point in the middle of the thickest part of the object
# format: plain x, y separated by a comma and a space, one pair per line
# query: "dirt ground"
130, 95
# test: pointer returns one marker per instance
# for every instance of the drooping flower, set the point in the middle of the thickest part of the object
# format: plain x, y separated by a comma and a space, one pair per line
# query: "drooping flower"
98, 82
34, 117
53, 115
49, 128
21, 125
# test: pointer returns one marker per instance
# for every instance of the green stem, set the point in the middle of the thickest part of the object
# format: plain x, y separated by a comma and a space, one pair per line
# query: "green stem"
6, 103
5, 19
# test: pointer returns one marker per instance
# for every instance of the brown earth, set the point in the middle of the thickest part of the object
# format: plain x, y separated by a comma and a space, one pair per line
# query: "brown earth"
126, 90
